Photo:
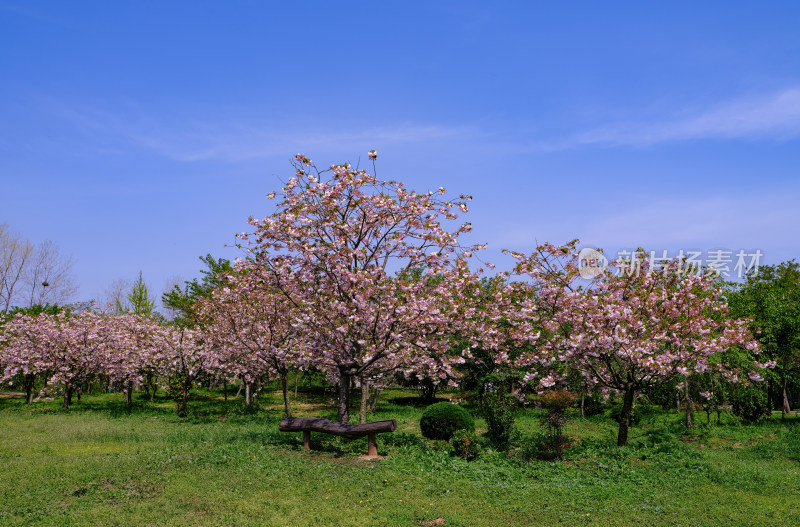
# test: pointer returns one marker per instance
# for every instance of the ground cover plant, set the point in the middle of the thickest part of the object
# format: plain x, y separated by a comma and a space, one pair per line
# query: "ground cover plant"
102, 462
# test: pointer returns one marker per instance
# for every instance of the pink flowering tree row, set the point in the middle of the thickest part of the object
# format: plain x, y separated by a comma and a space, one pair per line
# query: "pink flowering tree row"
365, 280
67, 350
336, 235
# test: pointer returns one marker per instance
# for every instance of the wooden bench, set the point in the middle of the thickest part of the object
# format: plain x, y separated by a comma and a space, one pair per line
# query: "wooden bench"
317, 424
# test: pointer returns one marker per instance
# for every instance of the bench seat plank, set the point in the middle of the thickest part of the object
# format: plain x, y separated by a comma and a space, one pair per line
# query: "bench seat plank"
318, 424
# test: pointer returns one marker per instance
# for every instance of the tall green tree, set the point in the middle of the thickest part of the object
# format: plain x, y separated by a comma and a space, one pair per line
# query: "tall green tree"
182, 300
772, 298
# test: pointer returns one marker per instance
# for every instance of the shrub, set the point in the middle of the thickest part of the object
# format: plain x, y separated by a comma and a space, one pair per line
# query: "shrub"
440, 420
556, 403
544, 446
465, 444
176, 387
750, 404
498, 412
177, 391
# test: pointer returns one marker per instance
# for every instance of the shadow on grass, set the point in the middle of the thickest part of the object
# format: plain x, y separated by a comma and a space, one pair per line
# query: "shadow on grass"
416, 402
202, 408
342, 447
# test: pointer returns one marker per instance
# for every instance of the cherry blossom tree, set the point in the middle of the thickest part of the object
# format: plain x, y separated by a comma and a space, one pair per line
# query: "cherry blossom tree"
23, 353
130, 354
184, 353
330, 249
68, 346
633, 330
248, 322
482, 340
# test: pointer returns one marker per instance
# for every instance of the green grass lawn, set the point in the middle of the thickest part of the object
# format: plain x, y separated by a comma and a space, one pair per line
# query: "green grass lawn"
102, 464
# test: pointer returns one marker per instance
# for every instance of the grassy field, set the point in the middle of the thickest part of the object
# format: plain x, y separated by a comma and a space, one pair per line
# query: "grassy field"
102, 464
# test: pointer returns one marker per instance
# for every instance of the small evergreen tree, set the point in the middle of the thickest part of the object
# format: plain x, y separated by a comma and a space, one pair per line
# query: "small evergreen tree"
138, 301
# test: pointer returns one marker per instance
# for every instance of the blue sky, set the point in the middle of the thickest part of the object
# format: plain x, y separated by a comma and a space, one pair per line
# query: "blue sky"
141, 135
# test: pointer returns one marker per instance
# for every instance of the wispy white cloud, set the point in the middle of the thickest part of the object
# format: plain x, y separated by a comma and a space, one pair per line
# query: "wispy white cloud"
207, 139
243, 143
212, 138
776, 115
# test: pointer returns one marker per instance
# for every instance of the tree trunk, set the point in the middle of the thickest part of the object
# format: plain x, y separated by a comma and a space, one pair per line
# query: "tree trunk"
429, 390
285, 385
248, 393
785, 409
183, 404
225, 389
344, 396
67, 397
29, 384
129, 394
688, 405
239, 391
362, 413
625, 417
374, 403
583, 396
150, 385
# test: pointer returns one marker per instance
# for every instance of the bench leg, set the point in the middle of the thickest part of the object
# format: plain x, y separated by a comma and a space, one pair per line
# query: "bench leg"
306, 439
372, 446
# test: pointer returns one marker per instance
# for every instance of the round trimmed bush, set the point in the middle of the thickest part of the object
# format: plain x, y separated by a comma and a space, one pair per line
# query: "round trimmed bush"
440, 420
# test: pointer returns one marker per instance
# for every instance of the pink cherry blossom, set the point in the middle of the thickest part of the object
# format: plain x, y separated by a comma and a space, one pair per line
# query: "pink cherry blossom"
329, 251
